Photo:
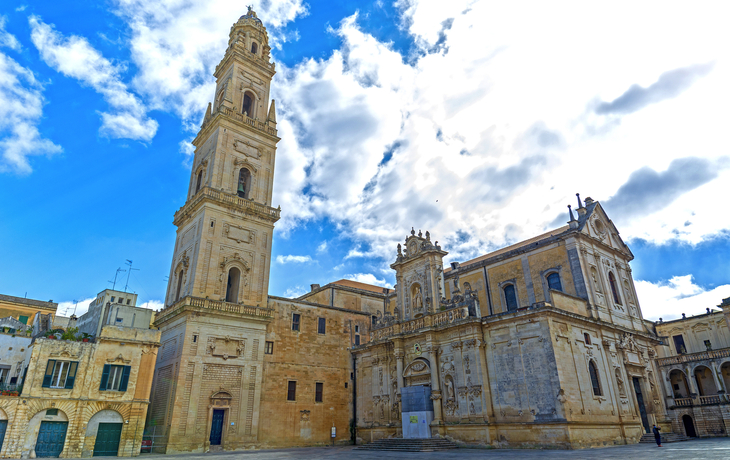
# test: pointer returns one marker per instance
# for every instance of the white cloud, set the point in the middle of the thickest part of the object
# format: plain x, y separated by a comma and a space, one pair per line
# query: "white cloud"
368, 278
176, 46
668, 300
294, 292
67, 308
293, 259
488, 143
322, 247
21, 109
156, 305
7, 39
76, 58
356, 253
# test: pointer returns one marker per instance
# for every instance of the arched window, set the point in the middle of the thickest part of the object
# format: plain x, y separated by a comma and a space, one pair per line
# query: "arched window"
199, 181
244, 183
248, 104
553, 280
254, 47
594, 378
234, 278
510, 297
178, 291
614, 290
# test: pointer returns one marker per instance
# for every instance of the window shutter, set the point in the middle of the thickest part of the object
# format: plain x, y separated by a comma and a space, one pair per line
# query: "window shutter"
104, 377
71, 375
125, 378
49, 373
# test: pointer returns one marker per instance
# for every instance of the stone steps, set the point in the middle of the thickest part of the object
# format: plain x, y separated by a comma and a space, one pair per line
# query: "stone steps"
648, 438
409, 445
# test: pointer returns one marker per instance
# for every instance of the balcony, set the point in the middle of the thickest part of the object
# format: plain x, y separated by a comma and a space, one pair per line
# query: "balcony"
690, 357
243, 204
214, 306
254, 123
441, 318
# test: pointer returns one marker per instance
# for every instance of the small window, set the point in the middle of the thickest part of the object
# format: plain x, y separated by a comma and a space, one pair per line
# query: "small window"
120, 320
269, 348
254, 48
291, 394
679, 344
60, 374
614, 291
195, 339
295, 322
345, 384
708, 345
321, 326
352, 376
373, 319
676, 386
112, 299
114, 378
128, 301
587, 338
553, 280
510, 297
318, 388
212, 224
51, 411
357, 340
357, 328
594, 378
23, 319
199, 181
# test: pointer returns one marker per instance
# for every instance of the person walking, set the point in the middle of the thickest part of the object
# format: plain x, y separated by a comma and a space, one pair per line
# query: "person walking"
657, 435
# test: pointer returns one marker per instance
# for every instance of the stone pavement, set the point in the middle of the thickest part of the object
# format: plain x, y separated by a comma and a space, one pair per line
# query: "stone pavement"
710, 449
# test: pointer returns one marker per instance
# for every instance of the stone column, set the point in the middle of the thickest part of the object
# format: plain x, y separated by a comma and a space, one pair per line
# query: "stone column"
719, 384
667, 387
435, 385
399, 354
691, 382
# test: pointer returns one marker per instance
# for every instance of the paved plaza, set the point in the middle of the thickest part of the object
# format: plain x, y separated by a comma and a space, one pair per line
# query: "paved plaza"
711, 449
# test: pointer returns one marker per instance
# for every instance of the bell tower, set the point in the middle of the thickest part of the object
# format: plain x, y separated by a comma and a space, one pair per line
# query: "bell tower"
224, 230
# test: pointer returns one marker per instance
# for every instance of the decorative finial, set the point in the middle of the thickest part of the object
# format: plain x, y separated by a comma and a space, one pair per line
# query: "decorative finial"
570, 210
428, 236
413, 231
580, 205
399, 250
420, 235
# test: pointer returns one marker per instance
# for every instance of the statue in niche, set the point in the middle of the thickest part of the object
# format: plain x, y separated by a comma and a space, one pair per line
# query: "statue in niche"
449, 384
620, 383
417, 301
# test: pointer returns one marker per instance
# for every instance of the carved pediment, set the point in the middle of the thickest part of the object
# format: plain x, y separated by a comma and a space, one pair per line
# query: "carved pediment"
119, 359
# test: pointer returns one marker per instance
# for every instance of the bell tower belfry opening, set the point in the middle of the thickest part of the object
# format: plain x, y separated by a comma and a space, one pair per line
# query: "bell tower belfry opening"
227, 221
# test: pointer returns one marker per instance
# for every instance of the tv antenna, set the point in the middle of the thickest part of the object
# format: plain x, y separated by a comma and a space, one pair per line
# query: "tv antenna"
129, 272
76, 303
114, 283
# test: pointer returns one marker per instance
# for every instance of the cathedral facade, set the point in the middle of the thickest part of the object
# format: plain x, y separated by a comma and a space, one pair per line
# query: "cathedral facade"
538, 344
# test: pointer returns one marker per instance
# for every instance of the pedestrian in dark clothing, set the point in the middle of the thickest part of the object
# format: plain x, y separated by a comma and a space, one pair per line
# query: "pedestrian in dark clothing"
657, 436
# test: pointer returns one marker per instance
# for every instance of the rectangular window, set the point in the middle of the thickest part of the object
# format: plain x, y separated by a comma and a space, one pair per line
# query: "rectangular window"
291, 394
195, 339
295, 322
114, 378
128, 300
679, 344
51, 411
121, 300
318, 388
4, 372
23, 319
357, 328
357, 340
120, 320
112, 299
373, 319
269, 348
321, 326
60, 374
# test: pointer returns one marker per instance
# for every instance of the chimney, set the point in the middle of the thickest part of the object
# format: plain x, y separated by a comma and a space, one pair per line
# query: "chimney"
581, 210
314, 287
454, 265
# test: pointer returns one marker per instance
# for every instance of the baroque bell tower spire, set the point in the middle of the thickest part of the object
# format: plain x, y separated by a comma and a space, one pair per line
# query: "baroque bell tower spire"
224, 230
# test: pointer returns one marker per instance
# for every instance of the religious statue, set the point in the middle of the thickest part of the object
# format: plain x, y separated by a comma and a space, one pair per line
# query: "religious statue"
417, 301
449, 389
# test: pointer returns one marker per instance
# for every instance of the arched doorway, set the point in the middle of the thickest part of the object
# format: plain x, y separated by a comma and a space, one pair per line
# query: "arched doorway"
705, 381
105, 429
680, 389
220, 404
46, 433
689, 426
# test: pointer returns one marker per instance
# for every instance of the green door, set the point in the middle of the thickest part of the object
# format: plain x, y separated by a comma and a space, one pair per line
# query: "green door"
51, 437
3, 426
107, 440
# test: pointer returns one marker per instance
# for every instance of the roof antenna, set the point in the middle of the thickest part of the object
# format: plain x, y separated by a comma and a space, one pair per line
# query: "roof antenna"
580, 205
114, 283
129, 262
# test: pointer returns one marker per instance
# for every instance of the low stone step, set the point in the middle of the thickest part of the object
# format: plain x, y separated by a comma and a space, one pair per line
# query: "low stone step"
648, 438
409, 445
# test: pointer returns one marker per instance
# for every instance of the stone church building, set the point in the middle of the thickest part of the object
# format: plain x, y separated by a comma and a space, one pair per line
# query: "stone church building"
538, 344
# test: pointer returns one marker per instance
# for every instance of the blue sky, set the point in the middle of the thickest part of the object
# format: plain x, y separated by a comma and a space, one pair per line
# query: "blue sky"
474, 120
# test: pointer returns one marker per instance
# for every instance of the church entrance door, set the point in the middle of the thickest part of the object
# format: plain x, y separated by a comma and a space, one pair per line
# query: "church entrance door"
216, 428
640, 401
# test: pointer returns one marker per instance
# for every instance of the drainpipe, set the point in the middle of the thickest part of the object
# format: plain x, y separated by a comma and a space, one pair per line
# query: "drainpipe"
354, 398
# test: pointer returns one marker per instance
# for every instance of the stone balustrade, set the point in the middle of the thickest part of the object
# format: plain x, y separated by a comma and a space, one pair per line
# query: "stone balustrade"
683, 402
686, 358
260, 125
711, 399
435, 319
215, 305
244, 204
